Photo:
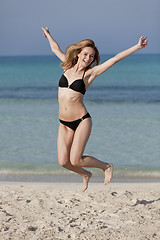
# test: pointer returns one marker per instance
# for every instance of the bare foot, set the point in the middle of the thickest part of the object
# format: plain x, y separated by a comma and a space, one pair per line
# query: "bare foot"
86, 180
108, 173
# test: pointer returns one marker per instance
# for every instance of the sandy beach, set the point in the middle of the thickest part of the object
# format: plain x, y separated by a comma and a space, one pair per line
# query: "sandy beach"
53, 211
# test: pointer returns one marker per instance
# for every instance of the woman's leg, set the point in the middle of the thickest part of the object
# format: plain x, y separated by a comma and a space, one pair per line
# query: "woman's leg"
80, 140
65, 139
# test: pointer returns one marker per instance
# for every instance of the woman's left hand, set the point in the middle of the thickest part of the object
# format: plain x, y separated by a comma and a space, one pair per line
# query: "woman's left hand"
142, 42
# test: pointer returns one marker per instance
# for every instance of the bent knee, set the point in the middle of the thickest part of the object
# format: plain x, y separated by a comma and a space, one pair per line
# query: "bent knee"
63, 162
76, 163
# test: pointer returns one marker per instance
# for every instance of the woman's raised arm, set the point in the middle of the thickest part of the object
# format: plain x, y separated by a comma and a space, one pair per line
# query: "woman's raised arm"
99, 69
54, 45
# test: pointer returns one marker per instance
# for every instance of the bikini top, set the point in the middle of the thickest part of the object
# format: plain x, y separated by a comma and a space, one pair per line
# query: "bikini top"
77, 85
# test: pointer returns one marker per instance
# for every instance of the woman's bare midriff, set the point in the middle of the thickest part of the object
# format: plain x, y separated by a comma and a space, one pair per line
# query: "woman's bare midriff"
71, 105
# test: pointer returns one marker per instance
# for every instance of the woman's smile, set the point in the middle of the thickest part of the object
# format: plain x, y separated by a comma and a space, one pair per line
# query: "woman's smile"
87, 55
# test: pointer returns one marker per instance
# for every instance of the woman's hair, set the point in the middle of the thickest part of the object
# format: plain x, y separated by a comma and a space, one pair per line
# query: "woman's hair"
72, 51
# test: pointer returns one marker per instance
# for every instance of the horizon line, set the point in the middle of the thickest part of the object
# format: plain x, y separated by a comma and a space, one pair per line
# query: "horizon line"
53, 55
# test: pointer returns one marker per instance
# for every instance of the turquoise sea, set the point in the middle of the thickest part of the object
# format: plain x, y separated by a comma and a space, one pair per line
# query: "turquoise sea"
124, 103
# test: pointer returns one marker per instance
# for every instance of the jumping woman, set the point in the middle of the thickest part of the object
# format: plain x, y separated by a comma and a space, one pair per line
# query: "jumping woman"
80, 63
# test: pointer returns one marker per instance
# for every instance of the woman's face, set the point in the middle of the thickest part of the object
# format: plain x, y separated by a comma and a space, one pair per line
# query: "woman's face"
86, 56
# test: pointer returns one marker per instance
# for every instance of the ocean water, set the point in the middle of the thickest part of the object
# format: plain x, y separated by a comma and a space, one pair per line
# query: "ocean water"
124, 103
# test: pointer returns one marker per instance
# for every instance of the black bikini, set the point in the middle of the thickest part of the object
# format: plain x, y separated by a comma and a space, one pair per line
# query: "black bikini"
78, 86
74, 124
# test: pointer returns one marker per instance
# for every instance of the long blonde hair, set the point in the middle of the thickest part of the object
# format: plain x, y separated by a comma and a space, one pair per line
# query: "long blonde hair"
72, 51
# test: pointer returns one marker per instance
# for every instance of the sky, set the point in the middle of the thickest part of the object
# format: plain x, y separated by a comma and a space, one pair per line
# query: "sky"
114, 25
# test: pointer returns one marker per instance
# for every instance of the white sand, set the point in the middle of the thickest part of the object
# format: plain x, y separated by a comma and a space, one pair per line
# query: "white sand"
52, 211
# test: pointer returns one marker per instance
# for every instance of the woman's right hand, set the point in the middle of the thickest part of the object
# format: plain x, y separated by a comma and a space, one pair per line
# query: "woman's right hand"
46, 31
53, 44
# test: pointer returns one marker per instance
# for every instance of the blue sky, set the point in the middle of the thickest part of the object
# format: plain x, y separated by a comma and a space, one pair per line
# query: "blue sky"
114, 25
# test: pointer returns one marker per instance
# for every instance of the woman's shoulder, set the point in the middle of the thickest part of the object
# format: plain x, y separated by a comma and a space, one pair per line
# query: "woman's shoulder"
89, 72
89, 77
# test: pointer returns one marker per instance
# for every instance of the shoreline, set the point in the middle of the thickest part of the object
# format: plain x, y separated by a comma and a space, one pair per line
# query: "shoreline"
44, 178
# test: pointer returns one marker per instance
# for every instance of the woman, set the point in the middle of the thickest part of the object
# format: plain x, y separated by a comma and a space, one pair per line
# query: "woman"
80, 62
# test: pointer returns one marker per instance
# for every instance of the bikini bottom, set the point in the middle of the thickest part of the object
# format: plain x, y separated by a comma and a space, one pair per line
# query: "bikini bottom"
74, 124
